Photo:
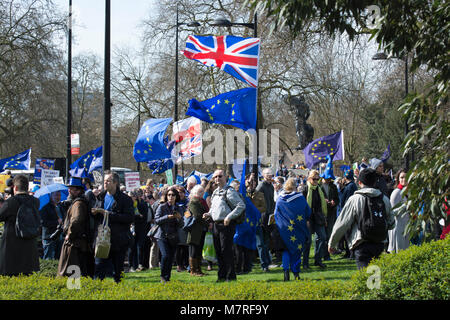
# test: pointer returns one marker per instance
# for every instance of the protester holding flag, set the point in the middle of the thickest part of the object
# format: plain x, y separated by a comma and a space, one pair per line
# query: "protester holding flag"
245, 236
291, 214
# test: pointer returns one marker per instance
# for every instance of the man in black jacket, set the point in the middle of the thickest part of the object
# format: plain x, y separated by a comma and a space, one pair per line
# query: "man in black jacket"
121, 216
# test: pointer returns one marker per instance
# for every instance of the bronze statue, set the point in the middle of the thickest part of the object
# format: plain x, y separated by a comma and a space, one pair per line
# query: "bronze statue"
305, 132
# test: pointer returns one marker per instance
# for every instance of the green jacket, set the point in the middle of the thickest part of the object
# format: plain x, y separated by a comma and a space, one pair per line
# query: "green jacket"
197, 207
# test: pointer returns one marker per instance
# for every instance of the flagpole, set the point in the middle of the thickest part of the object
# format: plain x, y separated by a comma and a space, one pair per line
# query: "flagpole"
255, 35
343, 146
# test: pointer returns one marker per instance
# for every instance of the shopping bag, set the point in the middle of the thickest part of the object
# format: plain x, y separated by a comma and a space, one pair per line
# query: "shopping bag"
103, 241
209, 253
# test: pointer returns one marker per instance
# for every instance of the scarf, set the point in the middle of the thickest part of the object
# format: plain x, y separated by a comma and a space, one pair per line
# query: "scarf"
400, 186
322, 198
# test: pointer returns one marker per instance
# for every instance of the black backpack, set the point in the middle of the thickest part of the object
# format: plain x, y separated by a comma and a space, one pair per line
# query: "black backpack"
28, 222
372, 222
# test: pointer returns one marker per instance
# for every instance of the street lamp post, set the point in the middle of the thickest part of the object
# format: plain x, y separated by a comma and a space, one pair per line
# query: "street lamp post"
69, 93
107, 91
383, 56
139, 109
222, 22
177, 25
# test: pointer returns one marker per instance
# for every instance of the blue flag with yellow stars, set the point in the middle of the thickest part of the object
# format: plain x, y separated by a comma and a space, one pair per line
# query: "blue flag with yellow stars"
151, 143
317, 151
245, 234
20, 161
160, 166
88, 162
236, 108
291, 213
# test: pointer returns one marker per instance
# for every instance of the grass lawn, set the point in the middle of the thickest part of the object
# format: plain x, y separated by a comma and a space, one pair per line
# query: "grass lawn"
338, 268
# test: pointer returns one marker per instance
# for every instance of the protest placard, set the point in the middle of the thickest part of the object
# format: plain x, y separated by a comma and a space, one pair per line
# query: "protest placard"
47, 176
132, 180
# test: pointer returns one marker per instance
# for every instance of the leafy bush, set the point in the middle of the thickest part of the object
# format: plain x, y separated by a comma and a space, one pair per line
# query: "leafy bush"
40, 287
48, 268
418, 273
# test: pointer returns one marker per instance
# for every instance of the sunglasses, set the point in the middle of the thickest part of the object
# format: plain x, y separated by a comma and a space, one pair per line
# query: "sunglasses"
171, 195
316, 179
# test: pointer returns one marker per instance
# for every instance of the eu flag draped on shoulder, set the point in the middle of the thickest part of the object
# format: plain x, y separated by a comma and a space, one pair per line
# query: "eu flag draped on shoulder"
291, 213
88, 162
317, 150
20, 161
245, 234
237, 56
236, 108
150, 143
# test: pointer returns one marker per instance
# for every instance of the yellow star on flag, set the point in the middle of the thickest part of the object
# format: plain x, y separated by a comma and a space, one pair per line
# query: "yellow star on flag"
299, 218
227, 101
293, 238
291, 228
299, 247
291, 221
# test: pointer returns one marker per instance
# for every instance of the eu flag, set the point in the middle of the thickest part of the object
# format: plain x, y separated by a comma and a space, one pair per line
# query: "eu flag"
317, 151
150, 143
291, 213
386, 154
160, 166
236, 108
88, 162
245, 234
20, 161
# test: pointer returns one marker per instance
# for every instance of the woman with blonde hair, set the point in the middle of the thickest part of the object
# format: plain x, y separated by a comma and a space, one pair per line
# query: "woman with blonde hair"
291, 214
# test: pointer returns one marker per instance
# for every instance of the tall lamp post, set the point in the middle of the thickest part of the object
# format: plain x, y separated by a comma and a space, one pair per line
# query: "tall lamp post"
222, 22
139, 109
107, 91
383, 56
69, 93
177, 25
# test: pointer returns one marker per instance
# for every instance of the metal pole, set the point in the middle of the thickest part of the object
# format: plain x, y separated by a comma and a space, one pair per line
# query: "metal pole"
406, 120
69, 94
255, 166
107, 91
139, 117
175, 116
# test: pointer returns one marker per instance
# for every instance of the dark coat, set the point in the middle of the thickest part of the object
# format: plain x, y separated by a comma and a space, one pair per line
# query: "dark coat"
49, 220
347, 192
168, 228
17, 255
268, 190
76, 226
197, 207
333, 194
120, 219
141, 225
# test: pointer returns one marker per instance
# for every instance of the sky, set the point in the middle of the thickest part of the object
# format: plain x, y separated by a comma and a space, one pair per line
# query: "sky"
88, 32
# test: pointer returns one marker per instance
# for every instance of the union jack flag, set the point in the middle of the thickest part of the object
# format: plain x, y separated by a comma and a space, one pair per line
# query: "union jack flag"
235, 55
190, 148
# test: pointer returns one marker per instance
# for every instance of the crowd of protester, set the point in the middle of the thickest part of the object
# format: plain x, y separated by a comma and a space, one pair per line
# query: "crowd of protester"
210, 241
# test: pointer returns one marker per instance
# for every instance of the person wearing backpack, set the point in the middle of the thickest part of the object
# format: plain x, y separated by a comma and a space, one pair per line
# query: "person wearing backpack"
368, 216
19, 251
226, 207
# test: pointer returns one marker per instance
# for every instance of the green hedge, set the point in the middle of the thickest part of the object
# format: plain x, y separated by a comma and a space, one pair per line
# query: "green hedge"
39, 287
418, 273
